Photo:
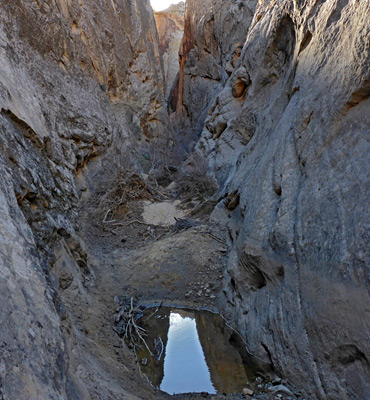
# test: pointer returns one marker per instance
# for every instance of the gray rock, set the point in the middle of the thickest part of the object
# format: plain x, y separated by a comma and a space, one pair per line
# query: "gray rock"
279, 94
248, 392
79, 85
291, 137
276, 381
170, 26
280, 388
213, 38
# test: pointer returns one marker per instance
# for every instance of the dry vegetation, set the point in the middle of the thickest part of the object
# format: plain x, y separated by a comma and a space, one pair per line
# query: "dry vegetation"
126, 323
118, 204
124, 188
119, 196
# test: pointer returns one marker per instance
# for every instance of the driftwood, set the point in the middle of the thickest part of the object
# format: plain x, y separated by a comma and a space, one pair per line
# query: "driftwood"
122, 190
127, 327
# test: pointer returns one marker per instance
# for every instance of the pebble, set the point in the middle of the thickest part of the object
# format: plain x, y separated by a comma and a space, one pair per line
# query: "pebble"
280, 388
276, 381
248, 392
32, 333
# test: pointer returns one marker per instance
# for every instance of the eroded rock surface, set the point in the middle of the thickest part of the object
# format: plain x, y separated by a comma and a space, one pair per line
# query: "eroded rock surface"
288, 140
79, 81
279, 93
170, 26
214, 35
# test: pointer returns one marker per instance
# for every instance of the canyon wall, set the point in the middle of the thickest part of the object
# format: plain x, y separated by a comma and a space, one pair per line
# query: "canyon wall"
287, 139
274, 95
214, 35
170, 26
80, 83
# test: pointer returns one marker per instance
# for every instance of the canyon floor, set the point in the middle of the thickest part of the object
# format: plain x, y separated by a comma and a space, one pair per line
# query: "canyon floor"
144, 251
215, 157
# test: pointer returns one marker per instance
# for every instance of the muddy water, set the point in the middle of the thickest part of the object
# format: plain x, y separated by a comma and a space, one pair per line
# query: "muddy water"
195, 351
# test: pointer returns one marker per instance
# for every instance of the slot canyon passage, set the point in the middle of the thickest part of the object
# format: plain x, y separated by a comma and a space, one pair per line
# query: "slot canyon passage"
214, 156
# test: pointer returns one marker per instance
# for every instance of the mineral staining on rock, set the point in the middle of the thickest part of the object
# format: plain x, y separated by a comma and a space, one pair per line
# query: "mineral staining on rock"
214, 34
79, 81
170, 26
273, 97
283, 133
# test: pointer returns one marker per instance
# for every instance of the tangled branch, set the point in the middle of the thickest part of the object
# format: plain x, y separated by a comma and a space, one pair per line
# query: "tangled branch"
126, 325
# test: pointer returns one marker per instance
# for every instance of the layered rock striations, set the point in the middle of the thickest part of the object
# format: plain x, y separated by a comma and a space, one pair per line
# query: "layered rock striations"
288, 140
278, 92
214, 35
80, 83
170, 26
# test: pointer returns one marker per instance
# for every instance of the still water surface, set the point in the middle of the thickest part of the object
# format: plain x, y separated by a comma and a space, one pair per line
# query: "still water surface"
185, 367
195, 351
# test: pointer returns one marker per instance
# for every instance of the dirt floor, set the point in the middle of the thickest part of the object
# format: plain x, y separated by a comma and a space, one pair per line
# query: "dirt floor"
133, 251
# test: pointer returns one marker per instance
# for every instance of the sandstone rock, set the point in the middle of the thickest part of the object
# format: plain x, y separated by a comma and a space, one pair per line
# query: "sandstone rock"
81, 83
291, 138
170, 26
232, 200
214, 33
279, 92
32, 346
276, 381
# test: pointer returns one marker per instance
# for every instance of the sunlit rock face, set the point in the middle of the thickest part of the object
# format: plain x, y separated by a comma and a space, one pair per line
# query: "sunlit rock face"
287, 139
81, 83
214, 35
170, 25
278, 92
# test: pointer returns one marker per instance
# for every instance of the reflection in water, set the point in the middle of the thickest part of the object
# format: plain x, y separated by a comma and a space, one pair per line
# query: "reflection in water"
185, 368
201, 353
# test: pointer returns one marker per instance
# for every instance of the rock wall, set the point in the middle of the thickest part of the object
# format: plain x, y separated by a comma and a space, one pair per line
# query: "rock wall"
214, 34
170, 26
288, 140
80, 83
278, 92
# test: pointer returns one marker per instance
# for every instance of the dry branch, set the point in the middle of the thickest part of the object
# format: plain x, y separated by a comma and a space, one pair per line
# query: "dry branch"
126, 325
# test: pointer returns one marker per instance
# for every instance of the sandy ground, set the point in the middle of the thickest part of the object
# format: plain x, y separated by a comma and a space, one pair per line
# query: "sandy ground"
147, 254
164, 213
